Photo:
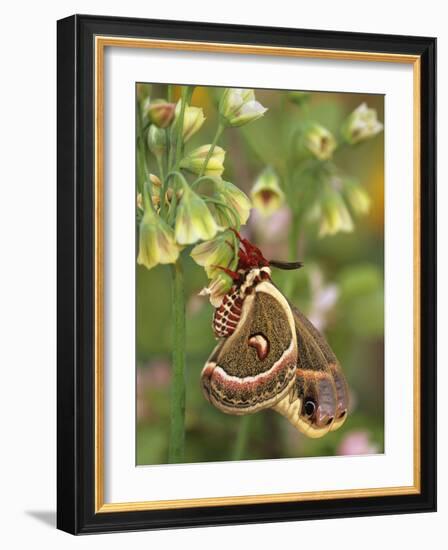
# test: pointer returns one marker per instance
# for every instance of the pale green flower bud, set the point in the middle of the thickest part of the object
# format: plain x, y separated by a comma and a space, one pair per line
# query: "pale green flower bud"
357, 197
193, 120
160, 113
234, 197
194, 161
319, 141
238, 106
335, 216
266, 194
361, 124
215, 252
299, 98
156, 244
194, 221
156, 140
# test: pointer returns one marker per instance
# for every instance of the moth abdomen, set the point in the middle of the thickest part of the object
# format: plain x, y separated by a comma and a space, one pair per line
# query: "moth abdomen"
228, 314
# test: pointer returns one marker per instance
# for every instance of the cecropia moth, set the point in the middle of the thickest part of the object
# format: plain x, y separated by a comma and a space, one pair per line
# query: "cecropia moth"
270, 355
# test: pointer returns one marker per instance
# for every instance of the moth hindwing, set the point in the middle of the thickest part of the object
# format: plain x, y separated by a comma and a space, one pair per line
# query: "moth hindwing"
255, 367
319, 400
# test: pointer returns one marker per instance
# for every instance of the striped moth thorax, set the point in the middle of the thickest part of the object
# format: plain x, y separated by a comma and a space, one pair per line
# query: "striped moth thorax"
269, 355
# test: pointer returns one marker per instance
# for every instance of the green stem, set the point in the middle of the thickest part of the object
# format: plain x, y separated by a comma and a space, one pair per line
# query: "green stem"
141, 153
213, 179
177, 432
224, 205
164, 187
180, 127
219, 131
242, 437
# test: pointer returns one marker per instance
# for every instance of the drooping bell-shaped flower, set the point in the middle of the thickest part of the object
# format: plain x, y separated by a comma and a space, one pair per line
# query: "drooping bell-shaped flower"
194, 161
193, 120
357, 197
238, 106
236, 199
361, 124
217, 289
267, 195
319, 141
215, 253
194, 221
334, 214
156, 243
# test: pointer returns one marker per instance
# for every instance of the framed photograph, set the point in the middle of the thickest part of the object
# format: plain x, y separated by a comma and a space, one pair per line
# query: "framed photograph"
246, 274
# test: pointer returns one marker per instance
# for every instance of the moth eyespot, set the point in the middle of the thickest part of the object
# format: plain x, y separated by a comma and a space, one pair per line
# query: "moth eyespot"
261, 345
343, 413
309, 407
330, 420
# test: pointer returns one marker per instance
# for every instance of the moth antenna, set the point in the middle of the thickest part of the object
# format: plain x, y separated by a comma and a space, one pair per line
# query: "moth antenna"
285, 265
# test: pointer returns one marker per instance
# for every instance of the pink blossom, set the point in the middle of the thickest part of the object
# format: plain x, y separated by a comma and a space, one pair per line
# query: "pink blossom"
357, 443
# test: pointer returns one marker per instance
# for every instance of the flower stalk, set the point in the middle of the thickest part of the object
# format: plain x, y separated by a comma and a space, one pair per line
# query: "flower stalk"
219, 131
177, 430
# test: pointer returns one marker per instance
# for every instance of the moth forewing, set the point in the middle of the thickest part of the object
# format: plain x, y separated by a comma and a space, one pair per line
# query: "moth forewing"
254, 368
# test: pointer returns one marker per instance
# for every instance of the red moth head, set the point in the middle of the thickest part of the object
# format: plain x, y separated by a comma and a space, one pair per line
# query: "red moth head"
249, 255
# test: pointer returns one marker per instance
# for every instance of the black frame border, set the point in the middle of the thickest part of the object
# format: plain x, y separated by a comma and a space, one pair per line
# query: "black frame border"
76, 264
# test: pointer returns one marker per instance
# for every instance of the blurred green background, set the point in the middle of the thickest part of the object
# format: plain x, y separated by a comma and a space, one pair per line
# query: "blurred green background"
340, 289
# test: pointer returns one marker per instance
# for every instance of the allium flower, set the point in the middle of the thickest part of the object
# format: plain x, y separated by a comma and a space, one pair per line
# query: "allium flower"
194, 221
215, 252
217, 289
193, 120
357, 197
319, 141
266, 194
361, 124
194, 161
237, 199
156, 140
157, 244
334, 214
238, 106
160, 112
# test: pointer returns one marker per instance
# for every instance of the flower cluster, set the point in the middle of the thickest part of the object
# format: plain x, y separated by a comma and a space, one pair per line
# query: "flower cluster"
313, 186
188, 202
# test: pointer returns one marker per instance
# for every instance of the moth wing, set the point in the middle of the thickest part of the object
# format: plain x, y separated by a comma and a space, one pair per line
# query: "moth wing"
319, 400
254, 367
